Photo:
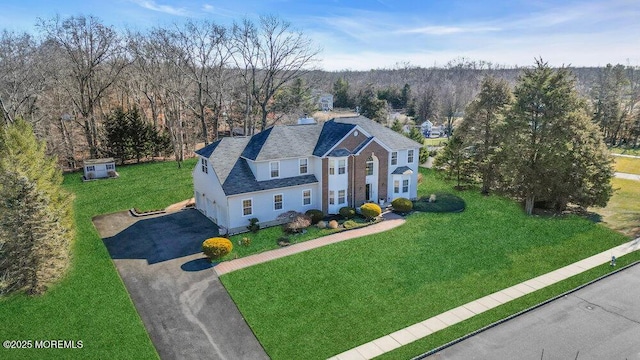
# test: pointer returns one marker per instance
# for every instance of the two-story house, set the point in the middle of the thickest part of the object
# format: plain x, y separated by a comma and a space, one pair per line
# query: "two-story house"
342, 162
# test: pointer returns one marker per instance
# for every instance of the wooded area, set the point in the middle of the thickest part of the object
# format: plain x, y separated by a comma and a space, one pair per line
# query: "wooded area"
196, 81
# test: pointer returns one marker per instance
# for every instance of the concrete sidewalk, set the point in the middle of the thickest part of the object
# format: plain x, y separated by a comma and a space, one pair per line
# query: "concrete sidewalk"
429, 326
627, 176
391, 220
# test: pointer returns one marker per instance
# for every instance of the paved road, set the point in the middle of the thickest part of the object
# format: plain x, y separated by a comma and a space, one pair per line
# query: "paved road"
601, 321
184, 307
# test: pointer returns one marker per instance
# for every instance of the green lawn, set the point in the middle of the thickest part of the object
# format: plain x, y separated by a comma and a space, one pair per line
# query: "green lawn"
436, 141
627, 165
622, 213
322, 302
91, 303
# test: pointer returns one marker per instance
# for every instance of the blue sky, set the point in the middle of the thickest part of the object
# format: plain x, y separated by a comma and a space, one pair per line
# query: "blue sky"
363, 35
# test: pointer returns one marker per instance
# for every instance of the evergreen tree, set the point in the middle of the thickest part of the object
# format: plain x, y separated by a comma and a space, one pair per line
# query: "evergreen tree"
396, 126
36, 220
552, 154
341, 98
480, 127
457, 161
372, 107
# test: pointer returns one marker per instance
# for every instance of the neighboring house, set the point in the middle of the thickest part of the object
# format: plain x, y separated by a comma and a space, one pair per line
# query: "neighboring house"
425, 128
325, 102
99, 168
342, 162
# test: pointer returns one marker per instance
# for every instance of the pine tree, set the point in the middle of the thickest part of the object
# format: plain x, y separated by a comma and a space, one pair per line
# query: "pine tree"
36, 220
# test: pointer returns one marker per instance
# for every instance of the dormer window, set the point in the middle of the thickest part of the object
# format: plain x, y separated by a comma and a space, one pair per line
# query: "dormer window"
275, 169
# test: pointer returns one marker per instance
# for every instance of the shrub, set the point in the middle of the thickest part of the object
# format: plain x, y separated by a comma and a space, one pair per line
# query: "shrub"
283, 241
350, 224
296, 225
245, 241
370, 210
315, 215
321, 225
333, 224
432, 198
217, 247
289, 215
91, 175
347, 212
253, 225
446, 203
402, 205
111, 173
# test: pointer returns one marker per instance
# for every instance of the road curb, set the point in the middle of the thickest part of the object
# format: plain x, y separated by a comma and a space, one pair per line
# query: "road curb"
460, 339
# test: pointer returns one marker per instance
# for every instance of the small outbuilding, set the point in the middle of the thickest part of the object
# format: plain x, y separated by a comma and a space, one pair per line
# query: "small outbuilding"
99, 168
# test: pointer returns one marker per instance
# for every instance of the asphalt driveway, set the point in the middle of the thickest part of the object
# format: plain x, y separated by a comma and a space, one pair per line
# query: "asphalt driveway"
600, 321
184, 307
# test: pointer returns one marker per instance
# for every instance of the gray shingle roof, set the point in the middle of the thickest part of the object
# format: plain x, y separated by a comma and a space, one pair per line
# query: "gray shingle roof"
342, 152
401, 170
390, 138
241, 180
332, 132
223, 156
282, 142
208, 150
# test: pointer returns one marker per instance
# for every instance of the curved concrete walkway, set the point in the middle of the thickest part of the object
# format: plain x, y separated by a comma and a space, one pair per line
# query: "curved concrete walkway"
429, 326
627, 176
391, 220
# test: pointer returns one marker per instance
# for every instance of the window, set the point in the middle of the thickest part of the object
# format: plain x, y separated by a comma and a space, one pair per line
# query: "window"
304, 168
332, 199
341, 196
306, 197
394, 158
342, 166
332, 167
91, 168
369, 166
247, 207
277, 202
405, 186
275, 169
396, 186
410, 156
205, 169
111, 167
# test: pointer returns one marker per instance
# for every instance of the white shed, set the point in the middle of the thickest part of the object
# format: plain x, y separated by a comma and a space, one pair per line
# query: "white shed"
99, 168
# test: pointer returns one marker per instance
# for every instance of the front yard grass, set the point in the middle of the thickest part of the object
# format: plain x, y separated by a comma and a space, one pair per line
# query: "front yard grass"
322, 302
622, 213
627, 165
91, 303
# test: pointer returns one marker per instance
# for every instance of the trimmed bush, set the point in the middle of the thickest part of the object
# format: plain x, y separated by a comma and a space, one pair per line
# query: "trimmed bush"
321, 225
245, 241
350, 224
446, 203
402, 205
296, 225
217, 247
370, 210
333, 224
315, 215
253, 225
289, 215
347, 212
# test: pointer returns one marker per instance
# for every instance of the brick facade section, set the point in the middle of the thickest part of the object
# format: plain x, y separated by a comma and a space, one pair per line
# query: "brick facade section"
351, 142
358, 166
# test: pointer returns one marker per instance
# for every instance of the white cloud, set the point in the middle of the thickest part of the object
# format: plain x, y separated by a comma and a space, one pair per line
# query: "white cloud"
448, 30
167, 9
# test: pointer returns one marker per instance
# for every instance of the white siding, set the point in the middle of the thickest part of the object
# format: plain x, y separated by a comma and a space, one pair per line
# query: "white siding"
211, 199
413, 178
338, 182
263, 204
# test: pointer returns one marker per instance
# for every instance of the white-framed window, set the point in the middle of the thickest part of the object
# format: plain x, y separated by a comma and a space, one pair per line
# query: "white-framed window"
111, 167
342, 166
247, 207
304, 166
205, 168
332, 197
306, 197
275, 169
332, 167
405, 185
277, 202
91, 168
410, 156
369, 167
394, 158
342, 194
396, 186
